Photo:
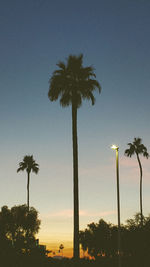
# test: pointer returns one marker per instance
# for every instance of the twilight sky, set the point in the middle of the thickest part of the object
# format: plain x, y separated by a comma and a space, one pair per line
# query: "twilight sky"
113, 37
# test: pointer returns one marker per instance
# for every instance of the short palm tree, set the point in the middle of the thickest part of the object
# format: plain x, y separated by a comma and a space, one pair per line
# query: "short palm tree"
72, 83
138, 149
29, 165
61, 247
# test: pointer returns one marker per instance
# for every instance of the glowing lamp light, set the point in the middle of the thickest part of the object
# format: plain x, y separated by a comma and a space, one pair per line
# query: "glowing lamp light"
114, 147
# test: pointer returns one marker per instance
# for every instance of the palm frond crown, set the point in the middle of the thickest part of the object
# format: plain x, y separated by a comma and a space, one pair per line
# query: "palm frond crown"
136, 148
28, 164
72, 82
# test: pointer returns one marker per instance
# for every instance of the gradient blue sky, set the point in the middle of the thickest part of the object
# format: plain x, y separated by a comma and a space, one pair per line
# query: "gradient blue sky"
113, 37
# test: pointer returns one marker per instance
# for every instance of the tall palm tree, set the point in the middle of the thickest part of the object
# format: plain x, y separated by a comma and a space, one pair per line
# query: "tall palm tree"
71, 83
29, 165
138, 149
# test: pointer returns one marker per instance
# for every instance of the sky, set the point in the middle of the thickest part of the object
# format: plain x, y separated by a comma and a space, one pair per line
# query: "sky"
114, 38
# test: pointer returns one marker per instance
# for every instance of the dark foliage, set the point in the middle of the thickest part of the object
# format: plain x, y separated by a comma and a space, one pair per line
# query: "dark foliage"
100, 241
18, 248
18, 227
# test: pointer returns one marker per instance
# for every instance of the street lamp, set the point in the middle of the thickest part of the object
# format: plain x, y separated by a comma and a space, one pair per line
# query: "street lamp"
118, 203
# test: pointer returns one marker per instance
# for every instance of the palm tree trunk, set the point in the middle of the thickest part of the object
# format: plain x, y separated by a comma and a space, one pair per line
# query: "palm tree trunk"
75, 182
28, 181
141, 208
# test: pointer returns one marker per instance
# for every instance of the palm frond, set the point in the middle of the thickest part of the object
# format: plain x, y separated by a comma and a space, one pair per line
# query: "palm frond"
28, 164
61, 65
128, 153
66, 99
137, 141
20, 169
35, 169
145, 154
91, 96
136, 148
72, 82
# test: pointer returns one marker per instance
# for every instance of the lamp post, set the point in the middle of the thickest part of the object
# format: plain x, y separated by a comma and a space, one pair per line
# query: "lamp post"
118, 203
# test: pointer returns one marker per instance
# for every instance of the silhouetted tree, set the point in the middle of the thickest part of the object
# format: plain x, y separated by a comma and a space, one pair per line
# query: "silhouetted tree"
138, 239
71, 83
18, 225
96, 239
61, 247
138, 148
99, 240
29, 165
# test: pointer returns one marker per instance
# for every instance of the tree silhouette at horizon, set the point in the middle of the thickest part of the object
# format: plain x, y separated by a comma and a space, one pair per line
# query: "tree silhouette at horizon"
18, 225
138, 148
29, 165
72, 83
99, 240
61, 247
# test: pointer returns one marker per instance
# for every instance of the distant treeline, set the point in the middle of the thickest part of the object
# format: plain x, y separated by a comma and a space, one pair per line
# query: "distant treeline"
100, 240
19, 247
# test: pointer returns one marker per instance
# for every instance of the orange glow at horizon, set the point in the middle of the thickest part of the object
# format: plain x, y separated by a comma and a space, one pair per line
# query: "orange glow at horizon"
57, 228
67, 251
54, 247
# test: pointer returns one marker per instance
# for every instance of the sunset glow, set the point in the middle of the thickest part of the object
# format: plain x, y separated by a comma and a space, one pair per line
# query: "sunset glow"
36, 37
